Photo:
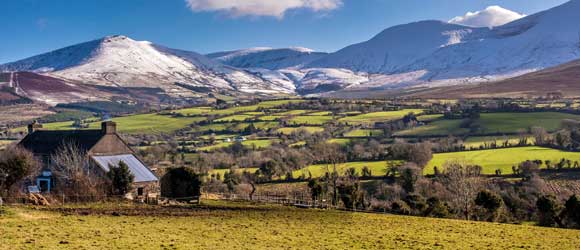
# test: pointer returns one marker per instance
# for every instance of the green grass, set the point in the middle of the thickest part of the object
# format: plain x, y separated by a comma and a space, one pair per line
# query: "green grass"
193, 111
151, 123
271, 117
341, 141
378, 168
235, 118
321, 113
288, 131
379, 116
222, 172
508, 123
222, 225
258, 144
364, 133
441, 127
503, 159
515, 122
310, 120
476, 141
428, 118
252, 108
293, 112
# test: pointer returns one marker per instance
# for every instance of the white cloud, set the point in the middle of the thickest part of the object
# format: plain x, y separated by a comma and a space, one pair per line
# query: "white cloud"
275, 8
492, 16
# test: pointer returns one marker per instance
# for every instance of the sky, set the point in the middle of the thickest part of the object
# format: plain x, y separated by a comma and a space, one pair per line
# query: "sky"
31, 27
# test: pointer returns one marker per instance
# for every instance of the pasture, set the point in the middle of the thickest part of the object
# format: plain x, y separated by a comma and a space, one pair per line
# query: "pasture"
226, 225
502, 159
384, 116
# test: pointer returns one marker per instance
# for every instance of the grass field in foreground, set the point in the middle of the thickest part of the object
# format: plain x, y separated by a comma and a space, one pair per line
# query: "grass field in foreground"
219, 225
503, 159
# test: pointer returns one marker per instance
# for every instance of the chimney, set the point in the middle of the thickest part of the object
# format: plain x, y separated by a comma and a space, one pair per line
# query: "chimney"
34, 127
108, 127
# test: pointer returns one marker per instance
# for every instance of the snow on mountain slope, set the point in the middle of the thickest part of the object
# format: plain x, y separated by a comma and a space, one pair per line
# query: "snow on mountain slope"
268, 58
397, 47
123, 62
539, 41
433, 53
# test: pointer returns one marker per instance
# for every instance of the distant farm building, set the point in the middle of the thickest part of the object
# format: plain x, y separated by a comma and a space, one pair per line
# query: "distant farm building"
102, 147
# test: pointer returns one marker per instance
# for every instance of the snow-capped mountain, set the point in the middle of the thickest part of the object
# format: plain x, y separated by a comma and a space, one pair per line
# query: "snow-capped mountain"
434, 53
268, 58
123, 62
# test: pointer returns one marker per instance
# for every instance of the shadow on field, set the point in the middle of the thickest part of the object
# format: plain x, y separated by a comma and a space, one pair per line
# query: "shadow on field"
156, 210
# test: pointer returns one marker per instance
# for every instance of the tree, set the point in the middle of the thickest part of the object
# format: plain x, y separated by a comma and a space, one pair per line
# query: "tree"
548, 209
316, 189
15, 165
409, 174
231, 179
528, 168
463, 182
571, 212
540, 135
366, 172
436, 208
181, 182
490, 201
70, 166
421, 154
121, 178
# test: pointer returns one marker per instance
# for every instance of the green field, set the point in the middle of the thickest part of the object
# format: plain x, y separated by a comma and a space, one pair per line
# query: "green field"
248, 143
288, 131
379, 116
378, 168
193, 111
235, 118
221, 225
341, 141
364, 133
221, 172
310, 120
502, 159
440, 127
477, 141
509, 123
515, 122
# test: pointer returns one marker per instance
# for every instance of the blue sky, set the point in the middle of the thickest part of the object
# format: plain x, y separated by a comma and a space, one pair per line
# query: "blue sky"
35, 26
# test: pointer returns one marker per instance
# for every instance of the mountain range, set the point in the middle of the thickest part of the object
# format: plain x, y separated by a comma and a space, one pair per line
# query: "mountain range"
425, 54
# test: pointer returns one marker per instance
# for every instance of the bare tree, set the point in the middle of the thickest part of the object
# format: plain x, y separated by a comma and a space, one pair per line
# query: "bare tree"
70, 165
463, 182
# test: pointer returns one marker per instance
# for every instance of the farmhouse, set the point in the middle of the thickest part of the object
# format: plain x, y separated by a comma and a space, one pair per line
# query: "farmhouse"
102, 148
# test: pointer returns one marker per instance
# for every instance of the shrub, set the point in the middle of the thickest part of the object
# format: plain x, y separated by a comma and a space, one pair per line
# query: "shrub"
181, 183
121, 178
436, 208
400, 207
490, 201
417, 204
547, 211
15, 165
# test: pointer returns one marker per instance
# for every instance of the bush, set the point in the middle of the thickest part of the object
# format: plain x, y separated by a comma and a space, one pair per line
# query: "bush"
490, 201
400, 207
548, 209
121, 178
15, 165
436, 208
181, 183
417, 204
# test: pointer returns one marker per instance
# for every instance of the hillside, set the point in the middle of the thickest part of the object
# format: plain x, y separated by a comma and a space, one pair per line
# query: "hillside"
119, 61
239, 225
267, 58
563, 79
434, 53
